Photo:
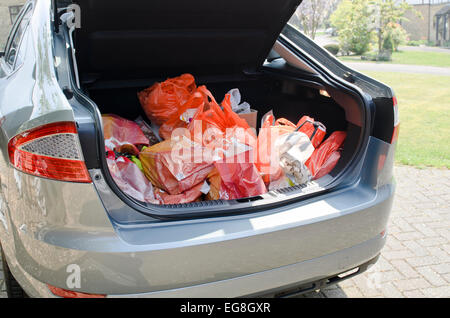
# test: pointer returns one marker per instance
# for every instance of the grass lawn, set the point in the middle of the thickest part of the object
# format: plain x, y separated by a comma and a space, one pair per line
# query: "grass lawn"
424, 106
410, 57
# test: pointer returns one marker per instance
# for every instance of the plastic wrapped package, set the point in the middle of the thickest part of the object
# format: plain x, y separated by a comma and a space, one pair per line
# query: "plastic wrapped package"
161, 100
177, 165
325, 158
122, 135
129, 178
294, 149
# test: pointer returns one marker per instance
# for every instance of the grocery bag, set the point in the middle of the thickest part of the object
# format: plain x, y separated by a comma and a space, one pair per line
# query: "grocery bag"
325, 158
122, 135
129, 178
177, 164
161, 100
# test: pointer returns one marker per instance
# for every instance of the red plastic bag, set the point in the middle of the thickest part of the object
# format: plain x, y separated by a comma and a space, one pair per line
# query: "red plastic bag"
123, 135
161, 100
129, 178
187, 196
325, 158
177, 165
239, 179
234, 161
316, 131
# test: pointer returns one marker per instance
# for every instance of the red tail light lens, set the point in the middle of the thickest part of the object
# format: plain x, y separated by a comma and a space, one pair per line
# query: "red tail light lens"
71, 294
396, 120
50, 151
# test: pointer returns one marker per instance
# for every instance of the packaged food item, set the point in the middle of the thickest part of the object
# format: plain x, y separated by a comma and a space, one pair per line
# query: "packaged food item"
325, 158
161, 100
294, 149
123, 135
129, 178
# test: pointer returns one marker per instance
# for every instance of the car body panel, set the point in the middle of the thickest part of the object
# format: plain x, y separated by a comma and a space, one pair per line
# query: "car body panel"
46, 225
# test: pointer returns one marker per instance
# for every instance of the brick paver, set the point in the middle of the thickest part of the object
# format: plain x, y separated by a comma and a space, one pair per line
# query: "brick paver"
415, 261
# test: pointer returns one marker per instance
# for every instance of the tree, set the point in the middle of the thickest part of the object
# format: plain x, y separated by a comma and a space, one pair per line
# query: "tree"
311, 14
360, 22
388, 14
353, 20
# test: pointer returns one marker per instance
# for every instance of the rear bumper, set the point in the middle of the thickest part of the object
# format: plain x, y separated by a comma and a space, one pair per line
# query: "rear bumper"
301, 276
247, 256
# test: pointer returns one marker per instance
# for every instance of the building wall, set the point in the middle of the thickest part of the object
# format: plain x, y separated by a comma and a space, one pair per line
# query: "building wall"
5, 19
417, 27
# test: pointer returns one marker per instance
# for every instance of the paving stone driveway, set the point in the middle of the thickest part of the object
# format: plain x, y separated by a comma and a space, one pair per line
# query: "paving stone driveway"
415, 261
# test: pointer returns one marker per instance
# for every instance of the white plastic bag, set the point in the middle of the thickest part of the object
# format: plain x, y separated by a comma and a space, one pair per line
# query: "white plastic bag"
294, 149
236, 105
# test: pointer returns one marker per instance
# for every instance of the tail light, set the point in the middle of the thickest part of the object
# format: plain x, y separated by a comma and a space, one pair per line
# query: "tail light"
71, 294
50, 151
396, 121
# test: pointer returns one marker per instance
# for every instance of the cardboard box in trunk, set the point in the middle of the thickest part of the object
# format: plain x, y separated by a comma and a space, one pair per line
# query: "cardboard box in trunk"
251, 118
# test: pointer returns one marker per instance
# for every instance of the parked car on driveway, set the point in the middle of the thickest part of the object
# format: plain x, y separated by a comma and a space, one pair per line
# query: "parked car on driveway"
66, 228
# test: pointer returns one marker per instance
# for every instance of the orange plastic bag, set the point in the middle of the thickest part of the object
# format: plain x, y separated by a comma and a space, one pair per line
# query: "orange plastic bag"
177, 165
271, 129
316, 131
122, 135
325, 158
161, 100
212, 122
183, 116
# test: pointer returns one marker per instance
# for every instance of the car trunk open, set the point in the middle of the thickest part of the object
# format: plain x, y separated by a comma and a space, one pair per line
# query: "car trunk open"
224, 46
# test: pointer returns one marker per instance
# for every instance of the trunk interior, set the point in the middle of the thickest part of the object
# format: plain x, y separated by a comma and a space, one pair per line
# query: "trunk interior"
287, 98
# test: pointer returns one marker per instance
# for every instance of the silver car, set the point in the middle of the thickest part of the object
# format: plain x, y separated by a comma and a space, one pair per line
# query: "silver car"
68, 230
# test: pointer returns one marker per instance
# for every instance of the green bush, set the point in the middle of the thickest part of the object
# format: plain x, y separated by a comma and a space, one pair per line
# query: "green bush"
383, 56
332, 48
414, 43
388, 43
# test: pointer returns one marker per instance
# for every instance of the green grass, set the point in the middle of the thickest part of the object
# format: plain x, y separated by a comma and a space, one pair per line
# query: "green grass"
424, 107
410, 57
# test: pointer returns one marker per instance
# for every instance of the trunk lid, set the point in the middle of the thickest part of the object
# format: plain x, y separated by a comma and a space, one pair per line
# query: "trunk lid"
119, 39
